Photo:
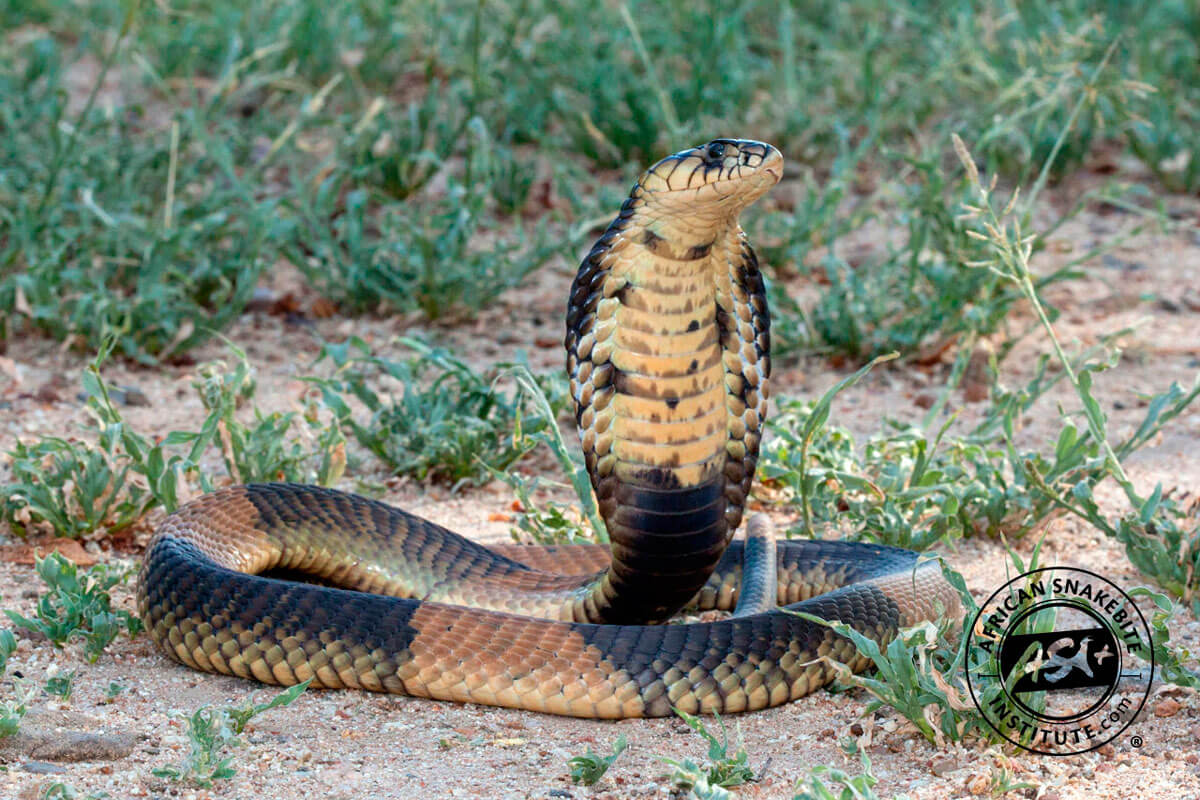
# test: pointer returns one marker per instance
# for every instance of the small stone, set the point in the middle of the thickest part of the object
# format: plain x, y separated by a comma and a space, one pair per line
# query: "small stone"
978, 784
943, 766
925, 400
1051, 796
1107, 750
42, 768
47, 393
977, 378
133, 396
856, 729
1167, 707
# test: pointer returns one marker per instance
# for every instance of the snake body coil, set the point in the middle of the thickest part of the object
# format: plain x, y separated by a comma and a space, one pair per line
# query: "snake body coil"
668, 356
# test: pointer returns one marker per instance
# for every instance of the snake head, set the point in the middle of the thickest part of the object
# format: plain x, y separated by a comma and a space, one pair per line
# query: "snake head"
714, 181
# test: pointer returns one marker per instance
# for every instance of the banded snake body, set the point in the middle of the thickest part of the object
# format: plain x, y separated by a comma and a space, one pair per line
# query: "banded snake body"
668, 354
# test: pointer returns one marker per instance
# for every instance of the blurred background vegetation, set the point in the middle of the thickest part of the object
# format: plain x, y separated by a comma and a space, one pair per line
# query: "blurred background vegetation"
156, 158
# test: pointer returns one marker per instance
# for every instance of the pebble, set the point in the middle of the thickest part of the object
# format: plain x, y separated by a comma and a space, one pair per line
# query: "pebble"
42, 768
1167, 707
943, 766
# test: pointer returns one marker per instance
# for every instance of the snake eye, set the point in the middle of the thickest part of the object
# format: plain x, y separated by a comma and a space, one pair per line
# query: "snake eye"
715, 150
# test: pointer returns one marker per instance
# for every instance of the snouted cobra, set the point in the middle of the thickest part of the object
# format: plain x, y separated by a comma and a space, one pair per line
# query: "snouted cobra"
668, 355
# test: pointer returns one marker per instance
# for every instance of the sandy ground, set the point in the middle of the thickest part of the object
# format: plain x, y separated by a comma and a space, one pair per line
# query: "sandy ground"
355, 744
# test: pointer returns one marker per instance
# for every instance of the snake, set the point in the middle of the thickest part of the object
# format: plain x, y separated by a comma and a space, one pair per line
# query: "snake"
668, 360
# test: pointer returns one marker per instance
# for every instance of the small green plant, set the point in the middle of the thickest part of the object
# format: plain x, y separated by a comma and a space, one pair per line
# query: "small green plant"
113, 691
78, 605
446, 421
65, 791
913, 489
853, 787
1170, 661
919, 675
8, 646
1001, 781
14, 710
265, 450
71, 487
721, 771
61, 685
1157, 535
405, 256
590, 767
213, 732
553, 523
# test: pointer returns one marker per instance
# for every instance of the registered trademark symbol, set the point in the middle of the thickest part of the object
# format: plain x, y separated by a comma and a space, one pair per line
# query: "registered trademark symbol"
1135, 740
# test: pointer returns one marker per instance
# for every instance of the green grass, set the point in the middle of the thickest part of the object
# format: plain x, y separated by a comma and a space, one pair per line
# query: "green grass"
77, 489
384, 150
430, 415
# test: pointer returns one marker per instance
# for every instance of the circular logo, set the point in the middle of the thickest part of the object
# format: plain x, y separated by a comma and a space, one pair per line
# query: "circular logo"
1059, 661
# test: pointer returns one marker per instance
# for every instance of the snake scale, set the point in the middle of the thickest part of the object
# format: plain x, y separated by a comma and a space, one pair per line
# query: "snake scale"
668, 354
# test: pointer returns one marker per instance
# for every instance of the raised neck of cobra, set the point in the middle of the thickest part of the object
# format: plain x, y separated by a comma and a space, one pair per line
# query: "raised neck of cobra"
668, 355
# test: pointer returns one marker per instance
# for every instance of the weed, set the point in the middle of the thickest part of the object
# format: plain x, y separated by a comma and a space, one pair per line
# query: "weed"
78, 488
391, 257
447, 422
14, 710
213, 732
1170, 661
1157, 535
721, 771
162, 241
1001, 781
8, 646
61, 685
590, 767
553, 523
78, 605
264, 451
856, 787
912, 489
113, 691
65, 791
919, 675
72, 487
